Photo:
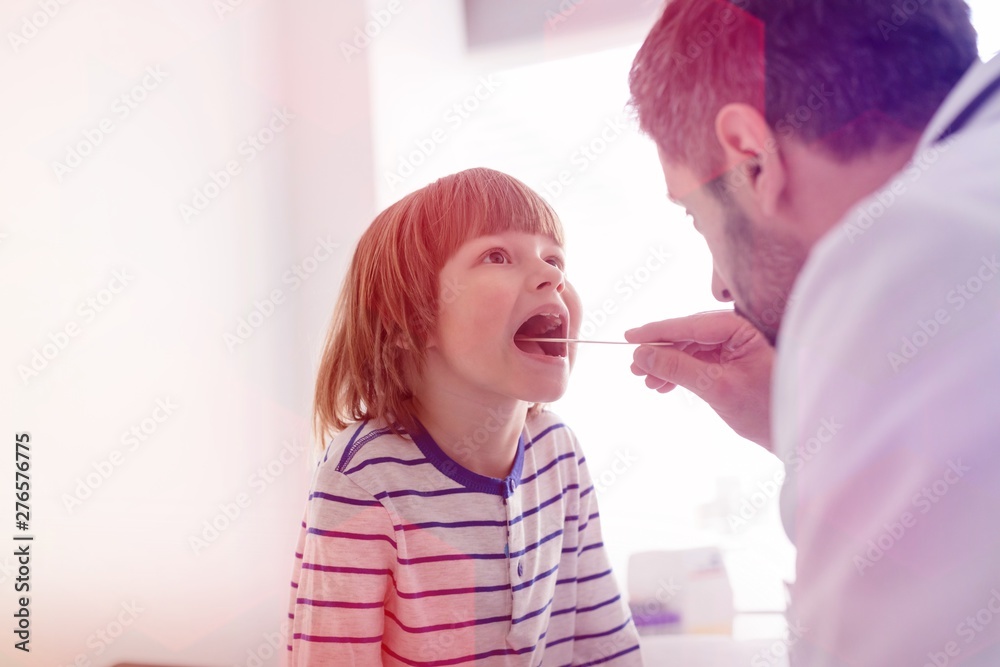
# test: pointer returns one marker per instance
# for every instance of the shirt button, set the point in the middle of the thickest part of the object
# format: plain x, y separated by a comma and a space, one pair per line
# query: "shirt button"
520, 568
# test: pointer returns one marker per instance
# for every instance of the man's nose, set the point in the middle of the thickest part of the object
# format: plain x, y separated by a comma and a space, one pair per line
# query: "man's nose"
719, 289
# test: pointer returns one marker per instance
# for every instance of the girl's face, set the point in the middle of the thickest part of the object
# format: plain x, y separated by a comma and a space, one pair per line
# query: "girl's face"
495, 289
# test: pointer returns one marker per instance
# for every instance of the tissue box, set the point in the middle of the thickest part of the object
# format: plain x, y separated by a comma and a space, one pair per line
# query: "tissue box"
683, 591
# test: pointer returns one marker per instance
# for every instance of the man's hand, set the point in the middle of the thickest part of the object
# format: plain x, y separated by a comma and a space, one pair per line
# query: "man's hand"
720, 357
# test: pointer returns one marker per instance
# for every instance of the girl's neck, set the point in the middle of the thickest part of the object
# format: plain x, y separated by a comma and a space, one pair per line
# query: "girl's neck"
481, 438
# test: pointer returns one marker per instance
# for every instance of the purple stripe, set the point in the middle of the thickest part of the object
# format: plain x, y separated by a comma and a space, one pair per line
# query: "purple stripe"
531, 582
587, 490
534, 613
446, 626
349, 451
386, 459
344, 500
423, 494
448, 524
548, 466
344, 570
546, 503
595, 545
338, 604
466, 658
610, 657
583, 580
543, 434
583, 526
448, 557
590, 636
351, 536
570, 580
583, 610
450, 591
550, 536
320, 639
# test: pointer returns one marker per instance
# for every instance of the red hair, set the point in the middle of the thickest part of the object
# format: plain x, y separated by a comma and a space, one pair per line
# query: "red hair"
389, 301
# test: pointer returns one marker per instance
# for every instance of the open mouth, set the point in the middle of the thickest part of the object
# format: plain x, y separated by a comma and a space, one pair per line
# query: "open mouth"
544, 325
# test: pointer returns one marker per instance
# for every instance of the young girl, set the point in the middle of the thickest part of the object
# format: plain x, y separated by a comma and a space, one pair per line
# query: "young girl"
451, 520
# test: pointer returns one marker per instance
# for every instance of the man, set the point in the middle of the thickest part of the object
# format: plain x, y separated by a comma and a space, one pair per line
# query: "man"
839, 157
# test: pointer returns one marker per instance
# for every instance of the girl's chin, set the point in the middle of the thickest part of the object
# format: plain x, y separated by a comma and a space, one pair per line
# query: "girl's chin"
548, 394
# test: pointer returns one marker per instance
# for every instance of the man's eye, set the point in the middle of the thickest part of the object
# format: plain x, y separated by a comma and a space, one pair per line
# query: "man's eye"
496, 256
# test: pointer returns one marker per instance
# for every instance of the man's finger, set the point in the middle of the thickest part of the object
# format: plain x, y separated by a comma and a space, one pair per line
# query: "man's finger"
671, 367
711, 328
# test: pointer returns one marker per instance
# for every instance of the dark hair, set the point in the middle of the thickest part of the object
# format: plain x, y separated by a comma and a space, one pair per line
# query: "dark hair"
853, 75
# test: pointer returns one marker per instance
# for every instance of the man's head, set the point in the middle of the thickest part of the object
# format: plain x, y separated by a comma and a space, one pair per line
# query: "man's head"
774, 117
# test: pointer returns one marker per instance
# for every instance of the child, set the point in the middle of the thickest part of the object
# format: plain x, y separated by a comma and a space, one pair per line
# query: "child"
452, 521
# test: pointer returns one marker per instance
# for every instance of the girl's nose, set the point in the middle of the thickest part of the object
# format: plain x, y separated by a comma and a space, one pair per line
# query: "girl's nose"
551, 276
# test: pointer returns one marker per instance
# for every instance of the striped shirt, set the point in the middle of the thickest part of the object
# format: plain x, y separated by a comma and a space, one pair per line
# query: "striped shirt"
407, 558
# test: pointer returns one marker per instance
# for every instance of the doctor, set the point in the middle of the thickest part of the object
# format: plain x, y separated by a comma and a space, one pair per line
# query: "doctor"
842, 160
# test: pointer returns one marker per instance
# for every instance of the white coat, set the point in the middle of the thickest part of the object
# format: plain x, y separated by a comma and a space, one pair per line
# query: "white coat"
887, 413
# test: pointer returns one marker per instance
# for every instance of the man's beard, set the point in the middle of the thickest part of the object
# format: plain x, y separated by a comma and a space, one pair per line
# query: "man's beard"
764, 268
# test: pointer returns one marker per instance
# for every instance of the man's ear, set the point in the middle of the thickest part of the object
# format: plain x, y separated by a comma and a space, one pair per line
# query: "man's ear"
751, 149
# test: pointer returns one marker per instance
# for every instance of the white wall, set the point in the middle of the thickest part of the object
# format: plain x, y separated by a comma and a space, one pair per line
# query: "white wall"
160, 338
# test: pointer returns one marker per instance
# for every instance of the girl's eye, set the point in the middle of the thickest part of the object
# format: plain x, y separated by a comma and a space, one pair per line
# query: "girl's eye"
496, 256
557, 262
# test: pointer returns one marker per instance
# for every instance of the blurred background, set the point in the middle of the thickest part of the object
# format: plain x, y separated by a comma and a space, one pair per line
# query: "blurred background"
181, 186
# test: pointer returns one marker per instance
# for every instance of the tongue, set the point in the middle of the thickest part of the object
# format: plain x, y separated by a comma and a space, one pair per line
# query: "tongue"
529, 346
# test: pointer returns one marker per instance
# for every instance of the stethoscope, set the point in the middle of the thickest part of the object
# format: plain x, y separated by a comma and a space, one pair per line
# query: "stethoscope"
962, 119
